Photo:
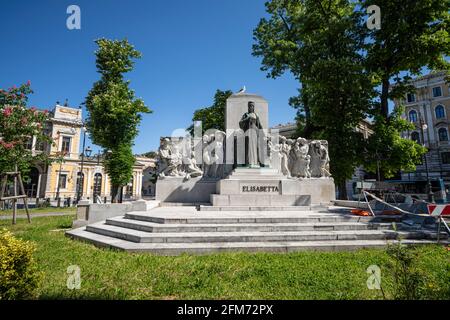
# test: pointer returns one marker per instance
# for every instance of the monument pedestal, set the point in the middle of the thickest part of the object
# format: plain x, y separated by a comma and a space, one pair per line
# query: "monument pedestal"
265, 187
178, 189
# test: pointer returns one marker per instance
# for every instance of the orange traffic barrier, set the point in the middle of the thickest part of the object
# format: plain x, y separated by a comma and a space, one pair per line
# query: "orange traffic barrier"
360, 212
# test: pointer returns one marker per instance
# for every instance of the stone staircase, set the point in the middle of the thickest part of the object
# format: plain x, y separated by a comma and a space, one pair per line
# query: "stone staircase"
177, 230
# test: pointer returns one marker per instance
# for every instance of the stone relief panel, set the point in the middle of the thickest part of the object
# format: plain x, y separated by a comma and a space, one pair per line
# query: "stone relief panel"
300, 158
294, 158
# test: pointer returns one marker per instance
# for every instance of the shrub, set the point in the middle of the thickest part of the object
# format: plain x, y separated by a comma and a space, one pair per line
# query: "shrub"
407, 277
19, 277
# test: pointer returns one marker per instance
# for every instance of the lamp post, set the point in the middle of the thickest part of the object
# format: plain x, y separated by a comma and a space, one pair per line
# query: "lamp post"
429, 191
86, 152
60, 160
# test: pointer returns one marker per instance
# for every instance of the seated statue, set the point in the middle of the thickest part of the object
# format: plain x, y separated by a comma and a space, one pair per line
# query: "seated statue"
170, 160
192, 170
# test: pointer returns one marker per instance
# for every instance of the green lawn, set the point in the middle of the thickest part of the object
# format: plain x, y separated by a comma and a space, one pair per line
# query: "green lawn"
39, 210
108, 274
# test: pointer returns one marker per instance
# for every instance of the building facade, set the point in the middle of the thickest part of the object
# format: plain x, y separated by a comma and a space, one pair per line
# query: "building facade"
70, 172
428, 109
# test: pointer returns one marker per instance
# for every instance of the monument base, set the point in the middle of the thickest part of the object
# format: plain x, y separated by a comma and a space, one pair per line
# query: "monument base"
268, 187
177, 189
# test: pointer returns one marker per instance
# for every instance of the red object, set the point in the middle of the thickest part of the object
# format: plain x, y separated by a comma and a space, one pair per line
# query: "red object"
439, 209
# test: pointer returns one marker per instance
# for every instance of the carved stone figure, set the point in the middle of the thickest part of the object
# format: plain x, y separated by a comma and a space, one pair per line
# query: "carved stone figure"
319, 159
208, 157
170, 160
285, 149
192, 170
324, 159
300, 159
251, 124
213, 154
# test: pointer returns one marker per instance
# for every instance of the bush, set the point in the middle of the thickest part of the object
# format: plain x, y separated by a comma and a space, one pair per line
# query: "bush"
411, 278
19, 277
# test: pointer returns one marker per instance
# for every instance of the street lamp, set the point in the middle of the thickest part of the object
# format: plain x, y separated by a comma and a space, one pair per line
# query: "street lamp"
423, 127
86, 151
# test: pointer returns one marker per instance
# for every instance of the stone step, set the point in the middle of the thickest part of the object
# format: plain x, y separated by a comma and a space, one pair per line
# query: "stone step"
260, 200
240, 227
234, 217
218, 247
254, 236
254, 208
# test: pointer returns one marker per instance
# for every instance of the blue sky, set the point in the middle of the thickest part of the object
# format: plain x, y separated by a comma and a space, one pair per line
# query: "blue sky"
190, 49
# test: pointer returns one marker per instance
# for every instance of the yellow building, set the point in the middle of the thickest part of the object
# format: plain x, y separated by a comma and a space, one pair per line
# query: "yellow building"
65, 176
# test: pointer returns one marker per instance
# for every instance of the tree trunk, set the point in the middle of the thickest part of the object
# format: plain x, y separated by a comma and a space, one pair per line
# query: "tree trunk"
342, 191
115, 193
384, 98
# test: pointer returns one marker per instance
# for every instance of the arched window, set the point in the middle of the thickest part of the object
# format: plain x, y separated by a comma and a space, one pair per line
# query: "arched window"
443, 134
97, 185
80, 183
440, 112
415, 137
413, 116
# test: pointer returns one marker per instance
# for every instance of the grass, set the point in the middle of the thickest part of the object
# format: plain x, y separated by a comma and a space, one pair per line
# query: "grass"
109, 274
39, 210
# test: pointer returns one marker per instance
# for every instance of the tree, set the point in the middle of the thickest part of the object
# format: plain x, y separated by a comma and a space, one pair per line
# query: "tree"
414, 34
114, 111
321, 44
150, 154
18, 125
386, 148
212, 117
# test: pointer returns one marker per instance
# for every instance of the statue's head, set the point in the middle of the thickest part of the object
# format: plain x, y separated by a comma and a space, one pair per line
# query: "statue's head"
251, 106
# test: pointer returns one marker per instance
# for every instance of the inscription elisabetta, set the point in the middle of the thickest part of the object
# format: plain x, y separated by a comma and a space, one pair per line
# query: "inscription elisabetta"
259, 189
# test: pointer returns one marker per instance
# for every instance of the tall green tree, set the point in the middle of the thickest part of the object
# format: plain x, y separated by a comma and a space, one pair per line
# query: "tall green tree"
212, 117
414, 35
114, 110
321, 44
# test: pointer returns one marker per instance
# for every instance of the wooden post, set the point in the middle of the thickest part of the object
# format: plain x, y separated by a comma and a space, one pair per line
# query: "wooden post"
25, 200
17, 183
15, 201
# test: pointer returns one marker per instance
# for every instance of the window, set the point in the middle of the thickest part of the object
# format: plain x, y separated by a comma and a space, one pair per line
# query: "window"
65, 146
411, 97
437, 92
80, 182
415, 137
443, 134
97, 185
62, 183
413, 116
440, 112
43, 145
445, 156
29, 144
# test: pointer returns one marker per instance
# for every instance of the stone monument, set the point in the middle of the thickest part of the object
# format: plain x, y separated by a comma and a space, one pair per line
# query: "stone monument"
247, 167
